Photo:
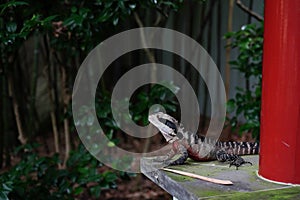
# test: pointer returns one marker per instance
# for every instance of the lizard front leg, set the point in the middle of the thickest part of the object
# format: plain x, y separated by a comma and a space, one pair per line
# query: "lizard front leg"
183, 156
181, 160
167, 160
233, 159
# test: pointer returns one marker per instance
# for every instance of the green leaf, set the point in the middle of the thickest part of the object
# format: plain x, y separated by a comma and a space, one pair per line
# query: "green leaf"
11, 27
3, 196
104, 16
111, 144
95, 191
48, 19
83, 170
115, 21
7, 187
112, 124
109, 176
84, 12
132, 6
170, 107
230, 106
73, 9
78, 190
229, 35
145, 120
239, 110
9, 4
122, 6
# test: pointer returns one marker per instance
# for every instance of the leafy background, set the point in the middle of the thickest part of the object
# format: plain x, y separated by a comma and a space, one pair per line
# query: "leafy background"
42, 46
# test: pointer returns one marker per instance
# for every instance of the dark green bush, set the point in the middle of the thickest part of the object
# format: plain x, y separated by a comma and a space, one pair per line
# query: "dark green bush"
69, 30
247, 102
36, 177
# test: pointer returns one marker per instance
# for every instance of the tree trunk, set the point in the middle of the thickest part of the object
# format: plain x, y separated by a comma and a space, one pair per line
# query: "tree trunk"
21, 137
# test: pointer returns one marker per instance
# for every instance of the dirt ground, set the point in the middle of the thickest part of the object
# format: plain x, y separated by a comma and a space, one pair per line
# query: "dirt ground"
137, 188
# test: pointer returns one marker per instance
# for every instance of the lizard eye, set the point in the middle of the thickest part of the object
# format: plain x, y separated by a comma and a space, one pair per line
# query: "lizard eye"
171, 125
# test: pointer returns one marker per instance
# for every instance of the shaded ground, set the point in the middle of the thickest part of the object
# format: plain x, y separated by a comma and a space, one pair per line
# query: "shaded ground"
138, 188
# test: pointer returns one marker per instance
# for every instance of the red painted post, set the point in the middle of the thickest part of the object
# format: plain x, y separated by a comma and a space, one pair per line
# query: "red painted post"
280, 114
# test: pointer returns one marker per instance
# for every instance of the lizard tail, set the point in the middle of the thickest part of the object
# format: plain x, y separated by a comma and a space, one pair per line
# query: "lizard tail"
240, 148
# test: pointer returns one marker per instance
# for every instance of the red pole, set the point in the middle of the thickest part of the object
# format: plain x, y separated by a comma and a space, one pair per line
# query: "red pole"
280, 114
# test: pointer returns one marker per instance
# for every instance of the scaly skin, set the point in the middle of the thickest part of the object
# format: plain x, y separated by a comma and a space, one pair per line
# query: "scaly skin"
188, 144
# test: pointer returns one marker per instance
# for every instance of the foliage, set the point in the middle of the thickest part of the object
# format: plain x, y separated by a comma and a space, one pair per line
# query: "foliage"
37, 176
75, 26
85, 24
13, 32
81, 21
158, 94
139, 107
247, 102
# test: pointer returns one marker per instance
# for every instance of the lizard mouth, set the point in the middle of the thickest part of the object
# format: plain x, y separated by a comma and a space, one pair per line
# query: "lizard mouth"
168, 137
165, 124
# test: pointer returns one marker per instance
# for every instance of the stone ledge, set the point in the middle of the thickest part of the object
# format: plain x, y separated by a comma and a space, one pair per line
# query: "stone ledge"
246, 183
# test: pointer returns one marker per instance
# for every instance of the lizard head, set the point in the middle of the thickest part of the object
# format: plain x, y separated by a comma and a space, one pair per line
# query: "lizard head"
166, 124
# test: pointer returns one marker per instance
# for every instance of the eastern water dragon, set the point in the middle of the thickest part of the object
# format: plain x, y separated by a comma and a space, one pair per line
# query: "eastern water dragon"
190, 145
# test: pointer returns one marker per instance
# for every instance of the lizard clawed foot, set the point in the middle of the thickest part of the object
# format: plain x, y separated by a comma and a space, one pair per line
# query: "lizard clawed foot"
239, 161
233, 159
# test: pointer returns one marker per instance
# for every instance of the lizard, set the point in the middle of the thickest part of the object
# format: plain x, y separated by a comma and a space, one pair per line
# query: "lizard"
190, 145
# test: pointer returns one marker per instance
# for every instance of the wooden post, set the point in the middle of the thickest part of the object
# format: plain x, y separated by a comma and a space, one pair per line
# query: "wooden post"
280, 115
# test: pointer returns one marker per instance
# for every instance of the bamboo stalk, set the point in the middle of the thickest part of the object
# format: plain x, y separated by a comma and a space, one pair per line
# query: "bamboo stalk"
209, 43
2, 117
55, 131
204, 178
5, 137
22, 138
32, 126
247, 80
150, 55
219, 36
205, 18
66, 101
67, 140
151, 58
47, 74
228, 49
